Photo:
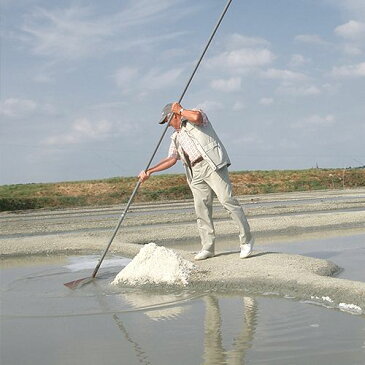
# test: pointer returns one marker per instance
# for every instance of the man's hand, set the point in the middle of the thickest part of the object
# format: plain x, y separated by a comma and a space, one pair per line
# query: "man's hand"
193, 116
143, 176
176, 107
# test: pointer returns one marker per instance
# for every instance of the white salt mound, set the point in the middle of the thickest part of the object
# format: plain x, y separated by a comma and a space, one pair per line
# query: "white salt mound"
352, 308
155, 264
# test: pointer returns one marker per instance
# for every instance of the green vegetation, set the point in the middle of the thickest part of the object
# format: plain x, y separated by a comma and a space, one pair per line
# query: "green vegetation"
169, 187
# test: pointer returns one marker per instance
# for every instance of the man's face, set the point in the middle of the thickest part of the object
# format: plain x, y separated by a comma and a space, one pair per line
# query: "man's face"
175, 121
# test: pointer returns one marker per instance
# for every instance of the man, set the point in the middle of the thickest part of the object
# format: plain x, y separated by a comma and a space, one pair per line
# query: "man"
205, 159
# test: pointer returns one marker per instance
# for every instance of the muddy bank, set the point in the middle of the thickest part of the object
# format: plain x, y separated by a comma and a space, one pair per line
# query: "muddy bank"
59, 241
281, 274
270, 213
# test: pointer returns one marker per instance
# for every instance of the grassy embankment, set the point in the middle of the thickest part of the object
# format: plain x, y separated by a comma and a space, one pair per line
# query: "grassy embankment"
169, 187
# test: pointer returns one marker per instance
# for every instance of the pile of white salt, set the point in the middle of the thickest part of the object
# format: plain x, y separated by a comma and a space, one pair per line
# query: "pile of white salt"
155, 265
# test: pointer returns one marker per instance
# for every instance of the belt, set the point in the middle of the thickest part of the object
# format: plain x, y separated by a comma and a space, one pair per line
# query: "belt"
199, 159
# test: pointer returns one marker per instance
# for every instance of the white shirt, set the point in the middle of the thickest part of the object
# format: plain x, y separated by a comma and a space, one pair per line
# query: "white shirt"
186, 142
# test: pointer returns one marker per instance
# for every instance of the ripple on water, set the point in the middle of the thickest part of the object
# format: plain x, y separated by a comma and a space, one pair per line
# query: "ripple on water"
39, 292
132, 323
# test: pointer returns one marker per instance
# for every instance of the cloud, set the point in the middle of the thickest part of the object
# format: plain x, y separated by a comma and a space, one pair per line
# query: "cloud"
236, 41
156, 79
92, 130
240, 54
311, 39
110, 105
83, 130
124, 75
172, 53
76, 31
351, 30
227, 85
129, 79
298, 60
266, 101
286, 75
295, 90
349, 71
249, 139
238, 106
65, 33
351, 8
315, 121
43, 78
210, 106
99, 122
17, 108
353, 33
352, 49
240, 59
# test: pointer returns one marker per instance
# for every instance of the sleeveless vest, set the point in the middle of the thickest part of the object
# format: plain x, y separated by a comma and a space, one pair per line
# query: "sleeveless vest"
207, 143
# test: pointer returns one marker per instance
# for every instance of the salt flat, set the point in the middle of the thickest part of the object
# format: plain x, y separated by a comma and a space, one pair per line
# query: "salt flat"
55, 232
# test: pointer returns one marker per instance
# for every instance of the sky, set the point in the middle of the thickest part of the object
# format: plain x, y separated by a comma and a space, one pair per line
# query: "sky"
83, 83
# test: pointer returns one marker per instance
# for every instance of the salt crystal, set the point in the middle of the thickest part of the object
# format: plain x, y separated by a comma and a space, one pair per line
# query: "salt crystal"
154, 265
352, 308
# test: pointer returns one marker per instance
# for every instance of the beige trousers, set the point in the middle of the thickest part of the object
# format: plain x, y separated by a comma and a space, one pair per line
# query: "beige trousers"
204, 182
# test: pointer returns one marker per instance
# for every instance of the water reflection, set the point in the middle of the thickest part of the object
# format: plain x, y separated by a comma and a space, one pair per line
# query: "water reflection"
140, 353
135, 326
214, 351
158, 306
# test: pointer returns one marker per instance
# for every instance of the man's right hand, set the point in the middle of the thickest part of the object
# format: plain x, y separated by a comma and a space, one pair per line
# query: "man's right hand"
143, 176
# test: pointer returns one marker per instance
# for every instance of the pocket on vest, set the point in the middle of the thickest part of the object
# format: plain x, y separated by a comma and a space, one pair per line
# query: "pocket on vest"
214, 152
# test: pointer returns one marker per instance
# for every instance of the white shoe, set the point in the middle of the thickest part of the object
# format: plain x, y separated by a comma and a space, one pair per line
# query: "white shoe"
246, 249
203, 254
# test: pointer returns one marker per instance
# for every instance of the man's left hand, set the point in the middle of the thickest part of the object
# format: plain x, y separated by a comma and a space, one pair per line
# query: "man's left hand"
176, 107
143, 176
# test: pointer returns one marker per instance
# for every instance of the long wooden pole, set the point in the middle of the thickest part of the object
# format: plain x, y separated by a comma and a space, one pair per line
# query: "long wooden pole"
121, 219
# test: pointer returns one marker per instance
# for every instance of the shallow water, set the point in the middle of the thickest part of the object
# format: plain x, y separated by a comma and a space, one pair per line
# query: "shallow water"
348, 252
44, 322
